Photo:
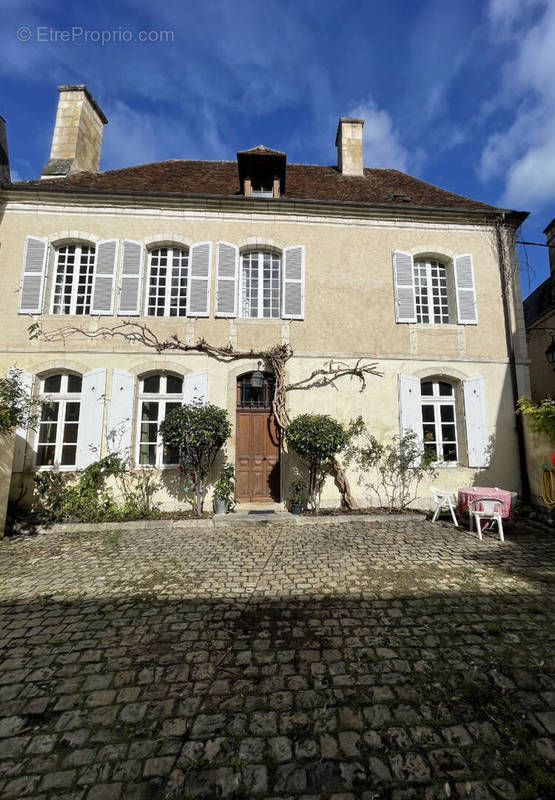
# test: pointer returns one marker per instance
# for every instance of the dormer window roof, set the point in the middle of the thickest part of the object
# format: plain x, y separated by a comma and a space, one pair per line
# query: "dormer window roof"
261, 172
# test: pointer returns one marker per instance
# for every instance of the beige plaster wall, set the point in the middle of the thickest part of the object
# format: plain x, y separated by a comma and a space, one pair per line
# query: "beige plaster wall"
349, 311
538, 452
377, 404
349, 287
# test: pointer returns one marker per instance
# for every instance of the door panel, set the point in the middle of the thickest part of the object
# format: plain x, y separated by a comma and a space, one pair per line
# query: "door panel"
257, 456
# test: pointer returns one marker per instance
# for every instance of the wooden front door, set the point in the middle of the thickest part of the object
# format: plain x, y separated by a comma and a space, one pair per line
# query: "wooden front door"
256, 443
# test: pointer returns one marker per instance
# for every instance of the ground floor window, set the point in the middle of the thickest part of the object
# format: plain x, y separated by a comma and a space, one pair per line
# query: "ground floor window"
439, 420
158, 395
59, 420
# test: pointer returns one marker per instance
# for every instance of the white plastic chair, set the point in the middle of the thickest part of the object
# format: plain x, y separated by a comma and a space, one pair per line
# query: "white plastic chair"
486, 508
443, 502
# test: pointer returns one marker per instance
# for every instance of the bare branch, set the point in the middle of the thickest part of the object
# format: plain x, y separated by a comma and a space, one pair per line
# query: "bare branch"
336, 370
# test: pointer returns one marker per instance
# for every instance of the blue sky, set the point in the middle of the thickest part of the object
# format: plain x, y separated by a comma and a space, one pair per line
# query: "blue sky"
461, 94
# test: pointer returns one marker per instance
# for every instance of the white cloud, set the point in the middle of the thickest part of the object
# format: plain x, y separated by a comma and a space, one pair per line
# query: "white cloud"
523, 152
382, 143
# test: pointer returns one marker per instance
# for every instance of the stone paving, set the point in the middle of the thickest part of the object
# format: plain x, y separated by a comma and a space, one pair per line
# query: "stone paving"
349, 661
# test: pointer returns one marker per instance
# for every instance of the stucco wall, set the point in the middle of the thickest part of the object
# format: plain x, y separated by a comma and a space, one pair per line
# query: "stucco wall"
349, 312
542, 376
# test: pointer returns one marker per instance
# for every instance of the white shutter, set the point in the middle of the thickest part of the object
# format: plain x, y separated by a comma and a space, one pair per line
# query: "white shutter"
120, 413
195, 387
131, 275
198, 290
410, 407
227, 264
403, 283
476, 421
20, 445
467, 313
91, 417
293, 283
33, 274
104, 277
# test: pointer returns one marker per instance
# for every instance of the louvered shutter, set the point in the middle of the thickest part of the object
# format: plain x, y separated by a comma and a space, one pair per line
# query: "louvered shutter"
104, 277
91, 417
198, 290
403, 283
20, 445
467, 313
195, 387
131, 276
227, 264
293, 283
120, 413
33, 275
476, 421
410, 408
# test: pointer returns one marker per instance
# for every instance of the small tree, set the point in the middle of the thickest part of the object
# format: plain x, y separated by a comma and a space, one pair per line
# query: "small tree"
317, 439
197, 432
392, 471
16, 407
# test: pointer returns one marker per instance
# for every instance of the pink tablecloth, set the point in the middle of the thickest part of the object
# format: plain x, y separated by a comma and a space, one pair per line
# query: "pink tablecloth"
469, 493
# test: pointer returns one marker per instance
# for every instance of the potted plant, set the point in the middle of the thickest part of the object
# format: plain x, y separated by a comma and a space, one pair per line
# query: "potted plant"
224, 490
296, 492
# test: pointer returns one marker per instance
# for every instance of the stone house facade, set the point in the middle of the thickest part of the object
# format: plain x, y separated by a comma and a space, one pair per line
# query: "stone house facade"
340, 262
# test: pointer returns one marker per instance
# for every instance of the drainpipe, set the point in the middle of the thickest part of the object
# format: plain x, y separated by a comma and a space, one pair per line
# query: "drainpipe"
506, 294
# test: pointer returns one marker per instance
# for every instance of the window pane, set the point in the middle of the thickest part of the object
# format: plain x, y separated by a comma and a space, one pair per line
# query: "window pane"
448, 433
69, 453
430, 450
174, 385
47, 432
427, 388
170, 455
74, 383
72, 412
151, 384
449, 452
70, 433
447, 413
149, 431
147, 454
428, 413
53, 384
429, 433
445, 389
45, 455
49, 412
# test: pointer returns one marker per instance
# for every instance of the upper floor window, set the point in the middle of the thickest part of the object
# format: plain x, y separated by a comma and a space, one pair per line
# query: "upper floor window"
73, 279
158, 395
59, 420
262, 189
167, 282
260, 284
439, 420
431, 292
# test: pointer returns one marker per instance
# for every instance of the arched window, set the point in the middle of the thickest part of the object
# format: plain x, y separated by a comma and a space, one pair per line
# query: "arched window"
73, 279
439, 420
59, 420
168, 270
260, 284
158, 395
432, 290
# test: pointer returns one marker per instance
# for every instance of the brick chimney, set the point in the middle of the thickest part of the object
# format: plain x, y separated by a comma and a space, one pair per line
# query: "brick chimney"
77, 136
4, 157
348, 141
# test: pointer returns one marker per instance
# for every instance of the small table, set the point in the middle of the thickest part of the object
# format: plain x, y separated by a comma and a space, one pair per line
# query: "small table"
469, 493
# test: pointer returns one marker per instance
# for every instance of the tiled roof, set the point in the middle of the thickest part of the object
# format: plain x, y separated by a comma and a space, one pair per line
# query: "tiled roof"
304, 182
540, 301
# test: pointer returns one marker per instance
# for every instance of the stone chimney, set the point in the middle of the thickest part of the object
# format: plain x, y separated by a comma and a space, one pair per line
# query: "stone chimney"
348, 141
77, 136
4, 157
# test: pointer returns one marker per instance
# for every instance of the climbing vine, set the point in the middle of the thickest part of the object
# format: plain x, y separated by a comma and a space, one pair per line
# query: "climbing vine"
275, 358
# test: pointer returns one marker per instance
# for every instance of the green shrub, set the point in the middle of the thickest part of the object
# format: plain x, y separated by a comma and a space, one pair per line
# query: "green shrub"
16, 407
541, 415
317, 439
197, 431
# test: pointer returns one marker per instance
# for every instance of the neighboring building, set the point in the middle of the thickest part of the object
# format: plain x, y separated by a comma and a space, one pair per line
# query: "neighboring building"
339, 261
539, 314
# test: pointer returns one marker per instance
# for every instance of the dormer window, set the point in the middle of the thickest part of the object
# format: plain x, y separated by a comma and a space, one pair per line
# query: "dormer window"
261, 172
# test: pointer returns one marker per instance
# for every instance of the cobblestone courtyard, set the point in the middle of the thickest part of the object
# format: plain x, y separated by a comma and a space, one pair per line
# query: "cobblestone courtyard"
351, 660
